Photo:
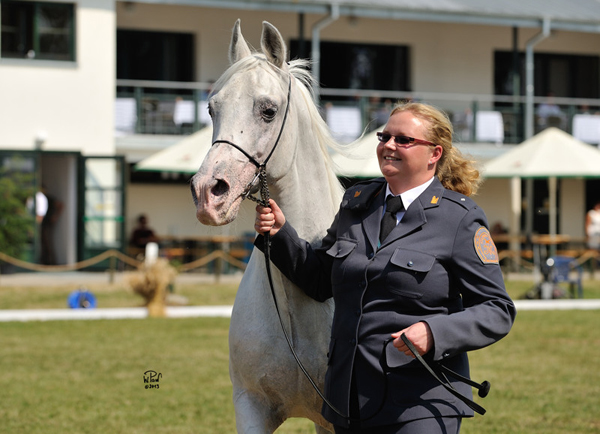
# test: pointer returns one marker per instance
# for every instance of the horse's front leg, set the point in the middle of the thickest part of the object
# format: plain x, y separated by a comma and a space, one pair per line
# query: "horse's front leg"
254, 414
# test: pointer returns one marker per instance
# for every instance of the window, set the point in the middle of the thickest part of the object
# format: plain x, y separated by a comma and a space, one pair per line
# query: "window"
37, 30
365, 66
564, 75
149, 55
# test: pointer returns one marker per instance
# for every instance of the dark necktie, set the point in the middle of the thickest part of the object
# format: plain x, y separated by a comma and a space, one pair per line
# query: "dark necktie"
388, 222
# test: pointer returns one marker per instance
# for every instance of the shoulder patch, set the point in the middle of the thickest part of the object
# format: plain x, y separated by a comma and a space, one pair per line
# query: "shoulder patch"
485, 247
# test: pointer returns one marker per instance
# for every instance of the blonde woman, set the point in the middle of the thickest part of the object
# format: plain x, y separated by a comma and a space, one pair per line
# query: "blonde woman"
407, 254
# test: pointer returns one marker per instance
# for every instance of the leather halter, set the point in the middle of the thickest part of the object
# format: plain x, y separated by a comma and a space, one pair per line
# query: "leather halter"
261, 168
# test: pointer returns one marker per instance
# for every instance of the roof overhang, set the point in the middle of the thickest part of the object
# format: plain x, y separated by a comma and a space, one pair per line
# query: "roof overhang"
516, 14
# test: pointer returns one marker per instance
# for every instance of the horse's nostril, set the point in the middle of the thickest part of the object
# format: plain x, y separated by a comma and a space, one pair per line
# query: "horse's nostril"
220, 188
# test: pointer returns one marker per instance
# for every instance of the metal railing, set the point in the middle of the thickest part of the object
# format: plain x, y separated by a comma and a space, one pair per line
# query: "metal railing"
179, 108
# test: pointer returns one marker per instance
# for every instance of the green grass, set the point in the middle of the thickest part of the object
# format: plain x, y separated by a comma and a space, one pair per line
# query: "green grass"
109, 295
120, 295
87, 376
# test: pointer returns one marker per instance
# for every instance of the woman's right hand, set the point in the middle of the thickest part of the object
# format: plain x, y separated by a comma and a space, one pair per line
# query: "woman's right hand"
269, 219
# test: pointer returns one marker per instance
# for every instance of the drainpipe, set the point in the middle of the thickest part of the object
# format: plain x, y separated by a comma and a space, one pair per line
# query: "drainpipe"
334, 14
529, 118
529, 76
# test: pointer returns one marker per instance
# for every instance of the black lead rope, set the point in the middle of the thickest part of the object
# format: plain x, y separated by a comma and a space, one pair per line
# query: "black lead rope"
484, 388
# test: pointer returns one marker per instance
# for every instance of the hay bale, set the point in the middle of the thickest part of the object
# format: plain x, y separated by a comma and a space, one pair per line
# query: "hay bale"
151, 283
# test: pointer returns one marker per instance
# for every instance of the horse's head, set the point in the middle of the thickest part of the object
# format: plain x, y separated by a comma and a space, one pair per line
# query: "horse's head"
247, 107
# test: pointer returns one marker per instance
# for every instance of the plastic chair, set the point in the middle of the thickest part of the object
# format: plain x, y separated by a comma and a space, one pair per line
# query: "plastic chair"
564, 269
125, 116
489, 127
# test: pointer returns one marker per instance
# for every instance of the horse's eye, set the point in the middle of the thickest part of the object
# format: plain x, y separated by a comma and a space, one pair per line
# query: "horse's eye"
269, 113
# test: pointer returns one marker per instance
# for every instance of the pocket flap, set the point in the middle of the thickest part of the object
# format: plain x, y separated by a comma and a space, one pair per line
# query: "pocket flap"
413, 260
342, 248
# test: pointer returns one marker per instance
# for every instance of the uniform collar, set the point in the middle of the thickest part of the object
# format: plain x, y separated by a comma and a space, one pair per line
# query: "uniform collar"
411, 195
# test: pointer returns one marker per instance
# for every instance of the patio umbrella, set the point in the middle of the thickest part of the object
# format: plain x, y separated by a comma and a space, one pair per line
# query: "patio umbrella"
185, 156
550, 154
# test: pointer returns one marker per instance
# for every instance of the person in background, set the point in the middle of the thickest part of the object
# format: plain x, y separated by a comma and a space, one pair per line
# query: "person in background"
434, 277
39, 205
142, 234
549, 114
592, 227
55, 207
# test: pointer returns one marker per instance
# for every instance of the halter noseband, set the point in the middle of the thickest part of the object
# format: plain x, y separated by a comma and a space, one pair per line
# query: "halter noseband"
261, 168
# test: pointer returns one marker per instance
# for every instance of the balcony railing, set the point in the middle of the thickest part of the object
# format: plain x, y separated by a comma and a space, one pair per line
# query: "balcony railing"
180, 108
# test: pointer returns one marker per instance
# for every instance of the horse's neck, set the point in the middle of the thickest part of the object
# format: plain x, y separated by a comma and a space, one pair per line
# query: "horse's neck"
309, 194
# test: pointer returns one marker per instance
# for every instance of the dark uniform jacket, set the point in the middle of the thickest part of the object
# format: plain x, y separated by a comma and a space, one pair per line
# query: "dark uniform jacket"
439, 265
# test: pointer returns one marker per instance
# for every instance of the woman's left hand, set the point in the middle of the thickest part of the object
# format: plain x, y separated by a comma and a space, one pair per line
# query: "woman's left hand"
420, 336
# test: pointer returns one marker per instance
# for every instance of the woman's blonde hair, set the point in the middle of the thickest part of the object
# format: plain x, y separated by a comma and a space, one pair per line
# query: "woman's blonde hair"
455, 171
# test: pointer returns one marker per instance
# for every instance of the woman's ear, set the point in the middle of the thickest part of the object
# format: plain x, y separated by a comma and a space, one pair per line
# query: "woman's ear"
436, 154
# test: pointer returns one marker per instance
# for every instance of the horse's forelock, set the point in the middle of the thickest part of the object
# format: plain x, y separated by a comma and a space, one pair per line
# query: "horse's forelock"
243, 65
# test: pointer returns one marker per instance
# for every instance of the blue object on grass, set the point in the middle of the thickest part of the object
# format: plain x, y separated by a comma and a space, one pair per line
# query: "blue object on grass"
81, 299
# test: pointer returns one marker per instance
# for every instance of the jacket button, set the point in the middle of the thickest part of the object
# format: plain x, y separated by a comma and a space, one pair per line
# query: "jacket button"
352, 341
370, 256
410, 263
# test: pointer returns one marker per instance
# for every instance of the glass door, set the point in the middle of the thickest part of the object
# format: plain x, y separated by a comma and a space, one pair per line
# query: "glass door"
101, 222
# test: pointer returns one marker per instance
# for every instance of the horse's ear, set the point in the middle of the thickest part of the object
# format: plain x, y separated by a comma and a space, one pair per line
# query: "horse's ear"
238, 48
273, 45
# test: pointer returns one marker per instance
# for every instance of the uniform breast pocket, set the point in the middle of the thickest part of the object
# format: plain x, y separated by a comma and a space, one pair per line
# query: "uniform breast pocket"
407, 268
340, 251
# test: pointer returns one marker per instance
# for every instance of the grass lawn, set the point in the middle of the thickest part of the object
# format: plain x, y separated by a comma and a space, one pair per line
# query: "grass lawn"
120, 294
109, 295
88, 376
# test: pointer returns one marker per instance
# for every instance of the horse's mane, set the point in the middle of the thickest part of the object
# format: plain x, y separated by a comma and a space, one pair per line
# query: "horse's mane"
298, 69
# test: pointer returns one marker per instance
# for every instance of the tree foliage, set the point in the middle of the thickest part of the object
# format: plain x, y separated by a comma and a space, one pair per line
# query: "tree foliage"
16, 220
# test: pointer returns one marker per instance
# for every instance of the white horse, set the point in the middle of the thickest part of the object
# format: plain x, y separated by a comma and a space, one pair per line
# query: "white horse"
247, 108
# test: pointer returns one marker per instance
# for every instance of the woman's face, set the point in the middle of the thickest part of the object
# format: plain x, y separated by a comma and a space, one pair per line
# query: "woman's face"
407, 165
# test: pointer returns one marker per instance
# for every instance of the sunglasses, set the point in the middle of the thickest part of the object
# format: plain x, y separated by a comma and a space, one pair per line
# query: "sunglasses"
402, 140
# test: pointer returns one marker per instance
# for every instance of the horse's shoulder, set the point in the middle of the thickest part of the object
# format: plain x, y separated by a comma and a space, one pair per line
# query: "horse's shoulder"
361, 195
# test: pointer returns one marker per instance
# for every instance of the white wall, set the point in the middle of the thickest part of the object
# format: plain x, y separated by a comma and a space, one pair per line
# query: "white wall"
572, 207
494, 198
171, 212
70, 102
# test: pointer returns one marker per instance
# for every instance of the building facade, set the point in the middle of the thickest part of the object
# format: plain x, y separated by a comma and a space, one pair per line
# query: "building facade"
91, 87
